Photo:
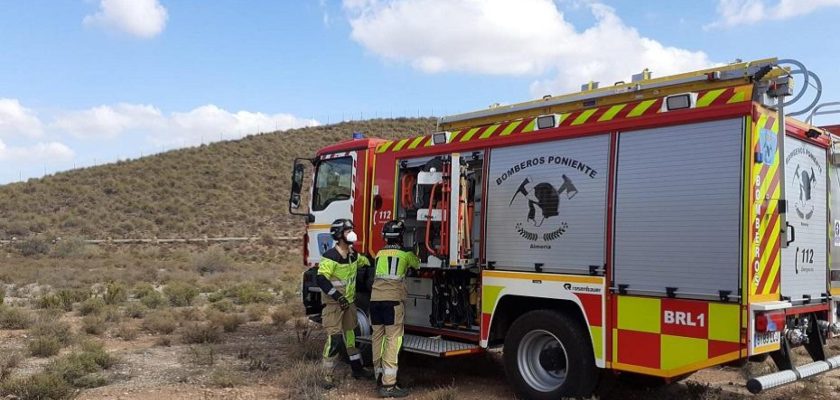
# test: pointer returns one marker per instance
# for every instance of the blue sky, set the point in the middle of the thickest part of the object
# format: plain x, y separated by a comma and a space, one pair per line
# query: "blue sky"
92, 81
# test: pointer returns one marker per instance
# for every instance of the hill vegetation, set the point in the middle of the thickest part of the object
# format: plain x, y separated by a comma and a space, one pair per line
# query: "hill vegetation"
231, 188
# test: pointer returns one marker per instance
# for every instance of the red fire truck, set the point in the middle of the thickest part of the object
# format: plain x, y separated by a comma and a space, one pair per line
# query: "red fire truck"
657, 227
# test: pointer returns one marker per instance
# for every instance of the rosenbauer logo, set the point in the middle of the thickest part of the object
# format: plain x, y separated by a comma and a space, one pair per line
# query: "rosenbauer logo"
539, 205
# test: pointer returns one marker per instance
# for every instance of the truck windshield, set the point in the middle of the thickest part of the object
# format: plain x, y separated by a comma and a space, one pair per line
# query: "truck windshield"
332, 182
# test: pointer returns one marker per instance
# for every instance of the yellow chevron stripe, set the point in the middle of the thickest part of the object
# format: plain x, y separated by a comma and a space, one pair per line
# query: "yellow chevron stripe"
470, 133
709, 97
400, 145
510, 128
383, 147
612, 112
416, 142
489, 131
640, 108
739, 96
563, 117
774, 269
429, 143
581, 119
530, 126
453, 136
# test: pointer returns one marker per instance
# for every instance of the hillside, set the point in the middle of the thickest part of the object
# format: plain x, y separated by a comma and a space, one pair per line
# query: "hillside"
231, 188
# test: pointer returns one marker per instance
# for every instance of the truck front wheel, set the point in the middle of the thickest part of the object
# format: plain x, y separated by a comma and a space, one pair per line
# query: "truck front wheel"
548, 355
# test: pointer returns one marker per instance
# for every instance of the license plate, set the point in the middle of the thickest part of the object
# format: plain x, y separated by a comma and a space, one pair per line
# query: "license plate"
766, 338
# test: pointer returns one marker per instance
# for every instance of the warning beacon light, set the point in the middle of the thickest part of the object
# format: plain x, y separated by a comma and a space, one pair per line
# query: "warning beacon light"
358, 135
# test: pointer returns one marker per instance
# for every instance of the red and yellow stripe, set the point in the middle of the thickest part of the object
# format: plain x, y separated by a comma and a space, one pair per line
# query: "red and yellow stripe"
594, 115
764, 246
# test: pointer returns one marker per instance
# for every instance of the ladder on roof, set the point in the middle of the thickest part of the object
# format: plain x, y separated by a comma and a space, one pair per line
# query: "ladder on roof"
726, 75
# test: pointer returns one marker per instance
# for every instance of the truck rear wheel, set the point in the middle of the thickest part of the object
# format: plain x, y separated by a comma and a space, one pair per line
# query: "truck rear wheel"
548, 355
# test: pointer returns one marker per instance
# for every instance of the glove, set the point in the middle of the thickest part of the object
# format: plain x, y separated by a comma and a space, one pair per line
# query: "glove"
343, 303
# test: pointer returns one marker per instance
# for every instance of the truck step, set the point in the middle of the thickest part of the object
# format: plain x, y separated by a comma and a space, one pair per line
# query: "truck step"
433, 346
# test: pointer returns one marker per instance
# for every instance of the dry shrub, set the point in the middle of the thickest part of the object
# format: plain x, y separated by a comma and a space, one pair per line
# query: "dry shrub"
135, 310
226, 377
280, 315
223, 305
35, 246
93, 305
68, 297
189, 314
201, 332
305, 346
202, 355
256, 311
70, 247
442, 393
126, 332
94, 324
52, 327
160, 322
180, 294
305, 381
230, 322
39, 386
15, 317
8, 362
46, 346
212, 261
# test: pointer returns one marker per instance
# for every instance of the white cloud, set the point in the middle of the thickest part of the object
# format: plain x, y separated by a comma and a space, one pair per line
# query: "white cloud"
39, 152
198, 125
140, 18
17, 120
526, 37
108, 121
738, 12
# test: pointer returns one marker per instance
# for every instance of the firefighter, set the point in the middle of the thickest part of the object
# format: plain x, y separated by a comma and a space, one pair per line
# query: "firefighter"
387, 309
337, 279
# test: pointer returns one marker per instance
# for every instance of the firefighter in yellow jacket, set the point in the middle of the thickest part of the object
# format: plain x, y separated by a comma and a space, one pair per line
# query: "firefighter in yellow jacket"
387, 310
337, 279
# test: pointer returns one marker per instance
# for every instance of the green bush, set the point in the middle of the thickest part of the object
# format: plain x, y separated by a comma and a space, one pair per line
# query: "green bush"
39, 386
49, 301
224, 305
180, 294
75, 368
115, 293
248, 293
142, 289
69, 297
15, 317
54, 328
44, 346
93, 305
153, 299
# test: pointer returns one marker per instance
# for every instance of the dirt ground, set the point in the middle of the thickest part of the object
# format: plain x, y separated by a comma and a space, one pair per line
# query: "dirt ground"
150, 371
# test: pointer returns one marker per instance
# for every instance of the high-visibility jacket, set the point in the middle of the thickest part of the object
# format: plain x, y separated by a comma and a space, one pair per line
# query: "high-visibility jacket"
341, 273
392, 263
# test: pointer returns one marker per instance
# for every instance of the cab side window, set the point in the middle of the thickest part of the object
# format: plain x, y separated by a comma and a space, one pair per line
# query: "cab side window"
333, 182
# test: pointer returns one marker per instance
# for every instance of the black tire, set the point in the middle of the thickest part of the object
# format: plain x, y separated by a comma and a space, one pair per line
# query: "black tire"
550, 328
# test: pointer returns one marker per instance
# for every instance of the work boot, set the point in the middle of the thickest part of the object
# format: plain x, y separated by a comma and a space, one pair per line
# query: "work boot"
359, 371
392, 391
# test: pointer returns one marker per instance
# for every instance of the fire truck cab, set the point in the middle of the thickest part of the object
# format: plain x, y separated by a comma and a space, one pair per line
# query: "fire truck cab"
655, 227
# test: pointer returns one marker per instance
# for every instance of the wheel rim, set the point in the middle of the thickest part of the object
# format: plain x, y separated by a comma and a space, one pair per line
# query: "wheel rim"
542, 360
363, 322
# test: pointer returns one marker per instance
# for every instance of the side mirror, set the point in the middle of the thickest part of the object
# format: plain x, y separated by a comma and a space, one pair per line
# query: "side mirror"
298, 172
